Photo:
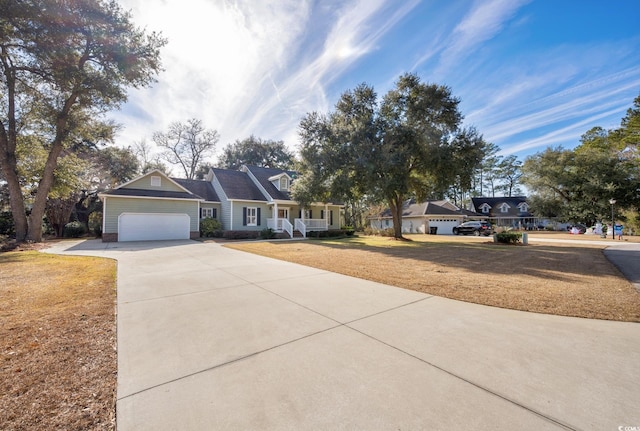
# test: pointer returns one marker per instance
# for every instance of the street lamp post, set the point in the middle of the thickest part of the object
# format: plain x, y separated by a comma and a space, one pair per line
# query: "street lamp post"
613, 220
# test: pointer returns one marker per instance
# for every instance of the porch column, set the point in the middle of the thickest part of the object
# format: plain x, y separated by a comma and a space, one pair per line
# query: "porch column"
326, 215
275, 213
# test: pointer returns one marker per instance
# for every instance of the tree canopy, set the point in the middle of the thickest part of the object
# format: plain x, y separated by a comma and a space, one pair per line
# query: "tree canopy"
63, 64
187, 145
257, 152
576, 185
405, 146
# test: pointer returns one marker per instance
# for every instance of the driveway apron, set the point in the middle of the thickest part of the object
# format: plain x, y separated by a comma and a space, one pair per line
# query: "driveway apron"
212, 338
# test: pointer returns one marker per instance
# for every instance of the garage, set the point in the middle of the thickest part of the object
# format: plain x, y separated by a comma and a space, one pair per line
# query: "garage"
152, 226
445, 225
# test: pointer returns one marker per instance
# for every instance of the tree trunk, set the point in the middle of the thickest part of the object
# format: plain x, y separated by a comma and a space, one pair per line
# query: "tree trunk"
16, 201
8, 161
395, 205
44, 186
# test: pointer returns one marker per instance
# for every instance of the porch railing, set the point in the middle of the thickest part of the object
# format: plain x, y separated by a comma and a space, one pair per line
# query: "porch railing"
287, 227
280, 225
301, 227
309, 225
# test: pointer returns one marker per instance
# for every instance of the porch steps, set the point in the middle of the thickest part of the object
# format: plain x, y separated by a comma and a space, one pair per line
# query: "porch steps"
297, 234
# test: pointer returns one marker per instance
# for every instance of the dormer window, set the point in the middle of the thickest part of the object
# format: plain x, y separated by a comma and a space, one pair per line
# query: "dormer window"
485, 208
281, 181
284, 183
504, 208
524, 207
156, 181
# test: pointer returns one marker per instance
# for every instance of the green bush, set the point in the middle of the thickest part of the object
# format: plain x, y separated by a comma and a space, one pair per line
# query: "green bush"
75, 229
509, 237
210, 227
95, 223
348, 230
333, 233
241, 234
267, 233
6, 223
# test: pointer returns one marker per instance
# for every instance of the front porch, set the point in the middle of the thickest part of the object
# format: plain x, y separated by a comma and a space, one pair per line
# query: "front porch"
303, 226
297, 222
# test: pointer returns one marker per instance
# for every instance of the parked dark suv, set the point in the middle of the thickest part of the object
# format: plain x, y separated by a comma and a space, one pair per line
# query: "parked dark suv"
473, 228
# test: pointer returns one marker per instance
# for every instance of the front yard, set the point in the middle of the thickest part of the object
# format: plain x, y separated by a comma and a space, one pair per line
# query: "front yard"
58, 341
568, 280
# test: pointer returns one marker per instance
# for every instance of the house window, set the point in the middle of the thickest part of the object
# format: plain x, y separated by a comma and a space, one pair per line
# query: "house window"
485, 208
250, 216
284, 183
504, 208
208, 213
156, 181
524, 207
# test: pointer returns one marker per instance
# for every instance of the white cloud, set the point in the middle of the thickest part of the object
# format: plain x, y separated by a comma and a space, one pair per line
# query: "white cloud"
482, 23
251, 67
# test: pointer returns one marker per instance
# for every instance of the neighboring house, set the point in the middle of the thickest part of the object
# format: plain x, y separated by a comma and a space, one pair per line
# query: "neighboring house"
154, 206
434, 216
504, 211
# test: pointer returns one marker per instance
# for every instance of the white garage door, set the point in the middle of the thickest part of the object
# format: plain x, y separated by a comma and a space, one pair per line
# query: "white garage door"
445, 226
148, 227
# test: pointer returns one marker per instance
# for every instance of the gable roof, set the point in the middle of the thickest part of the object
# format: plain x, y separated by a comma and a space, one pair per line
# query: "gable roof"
124, 190
264, 175
238, 185
411, 208
151, 194
202, 188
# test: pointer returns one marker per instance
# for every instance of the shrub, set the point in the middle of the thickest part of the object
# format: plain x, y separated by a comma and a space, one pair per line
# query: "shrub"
95, 223
210, 227
6, 223
509, 237
241, 234
387, 232
75, 229
348, 230
381, 232
333, 233
267, 233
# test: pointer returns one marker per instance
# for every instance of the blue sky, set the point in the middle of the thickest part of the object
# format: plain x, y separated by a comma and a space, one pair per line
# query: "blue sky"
530, 74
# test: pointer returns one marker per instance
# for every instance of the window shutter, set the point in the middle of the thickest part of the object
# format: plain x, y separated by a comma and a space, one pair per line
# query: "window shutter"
201, 213
244, 216
299, 213
310, 214
258, 216
215, 213
331, 217
322, 214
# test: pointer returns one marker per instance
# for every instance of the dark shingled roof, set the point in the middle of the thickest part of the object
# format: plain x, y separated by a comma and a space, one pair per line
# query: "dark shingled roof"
263, 175
202, 188
151, 193
238, 185
512, 201
411, 208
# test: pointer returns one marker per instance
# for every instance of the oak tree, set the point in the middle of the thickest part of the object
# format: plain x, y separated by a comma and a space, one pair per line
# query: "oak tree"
62, 62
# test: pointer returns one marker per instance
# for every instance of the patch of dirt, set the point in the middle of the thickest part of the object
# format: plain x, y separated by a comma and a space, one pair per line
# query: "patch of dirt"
568, 280
57, 342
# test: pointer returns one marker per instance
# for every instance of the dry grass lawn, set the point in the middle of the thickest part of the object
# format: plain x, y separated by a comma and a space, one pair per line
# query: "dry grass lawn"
562, 279
58, 341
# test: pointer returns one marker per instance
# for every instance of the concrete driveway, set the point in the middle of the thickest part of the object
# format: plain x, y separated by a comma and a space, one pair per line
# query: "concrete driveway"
211, 338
